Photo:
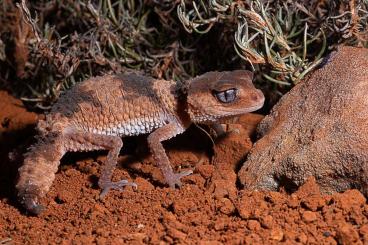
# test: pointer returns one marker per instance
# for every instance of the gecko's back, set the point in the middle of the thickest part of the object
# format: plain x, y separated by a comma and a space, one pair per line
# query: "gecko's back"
122, 105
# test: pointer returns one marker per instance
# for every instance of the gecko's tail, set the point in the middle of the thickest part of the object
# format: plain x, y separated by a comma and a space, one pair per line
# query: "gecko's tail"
38, 171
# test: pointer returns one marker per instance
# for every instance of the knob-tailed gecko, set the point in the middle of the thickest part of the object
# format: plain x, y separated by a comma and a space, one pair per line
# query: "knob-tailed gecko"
95, 114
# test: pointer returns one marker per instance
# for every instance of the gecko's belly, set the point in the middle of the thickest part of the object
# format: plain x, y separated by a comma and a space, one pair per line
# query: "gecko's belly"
132, 127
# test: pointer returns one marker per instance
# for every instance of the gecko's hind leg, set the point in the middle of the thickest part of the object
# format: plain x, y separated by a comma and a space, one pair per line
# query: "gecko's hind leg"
90, 141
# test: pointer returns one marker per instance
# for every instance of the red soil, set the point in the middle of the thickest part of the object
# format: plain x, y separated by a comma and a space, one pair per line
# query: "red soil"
210, 208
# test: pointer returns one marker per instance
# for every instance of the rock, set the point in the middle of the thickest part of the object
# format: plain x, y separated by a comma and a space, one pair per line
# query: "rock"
226, 206
205, 170
346, 234
309, 216
320, 129
349, 200
310, 196
253, 225
277, 234
267, 221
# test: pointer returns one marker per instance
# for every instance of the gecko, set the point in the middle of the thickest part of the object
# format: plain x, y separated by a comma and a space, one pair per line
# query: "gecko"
98, 113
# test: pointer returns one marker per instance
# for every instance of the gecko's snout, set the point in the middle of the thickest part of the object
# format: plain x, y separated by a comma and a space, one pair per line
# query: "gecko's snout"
258, 96
256, 99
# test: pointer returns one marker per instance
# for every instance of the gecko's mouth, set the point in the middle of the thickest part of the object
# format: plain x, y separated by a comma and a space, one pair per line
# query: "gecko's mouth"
256, 107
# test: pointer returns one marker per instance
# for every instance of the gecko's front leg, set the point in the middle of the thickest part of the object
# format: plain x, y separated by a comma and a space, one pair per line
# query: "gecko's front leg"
159, 155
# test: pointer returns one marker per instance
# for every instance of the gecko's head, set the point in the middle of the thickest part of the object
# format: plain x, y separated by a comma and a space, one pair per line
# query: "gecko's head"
216, 95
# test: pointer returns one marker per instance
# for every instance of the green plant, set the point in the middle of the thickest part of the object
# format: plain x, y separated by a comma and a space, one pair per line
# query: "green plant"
284, 40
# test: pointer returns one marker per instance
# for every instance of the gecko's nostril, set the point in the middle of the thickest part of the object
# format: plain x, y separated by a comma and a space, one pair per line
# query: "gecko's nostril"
254, 97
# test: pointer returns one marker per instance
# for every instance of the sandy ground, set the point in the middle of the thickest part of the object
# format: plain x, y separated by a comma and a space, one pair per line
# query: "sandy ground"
210, 208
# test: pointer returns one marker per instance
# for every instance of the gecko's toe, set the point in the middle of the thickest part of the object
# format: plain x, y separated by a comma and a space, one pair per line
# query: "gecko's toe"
106, 187
174, 180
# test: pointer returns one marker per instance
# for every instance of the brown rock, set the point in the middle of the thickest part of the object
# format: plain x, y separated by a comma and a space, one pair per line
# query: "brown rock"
320, 129
253, 225
309, 216
176, 234
205, 170
364, 233
277, 234
310, 195
267, 221
210, 243
143, 184
346, 234
302, 238
351, 199
226, 206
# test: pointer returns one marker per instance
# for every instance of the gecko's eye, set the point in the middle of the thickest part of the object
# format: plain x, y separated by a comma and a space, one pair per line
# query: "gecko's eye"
226, 96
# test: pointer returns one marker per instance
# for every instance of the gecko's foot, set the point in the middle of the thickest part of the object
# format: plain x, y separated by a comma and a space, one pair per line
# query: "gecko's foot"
174, 179
106, 187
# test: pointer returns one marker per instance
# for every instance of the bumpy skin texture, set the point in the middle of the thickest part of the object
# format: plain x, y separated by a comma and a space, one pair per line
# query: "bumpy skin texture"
318, 129
98, 112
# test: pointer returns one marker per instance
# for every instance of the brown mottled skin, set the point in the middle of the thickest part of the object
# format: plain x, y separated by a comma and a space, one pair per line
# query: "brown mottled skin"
98, 112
